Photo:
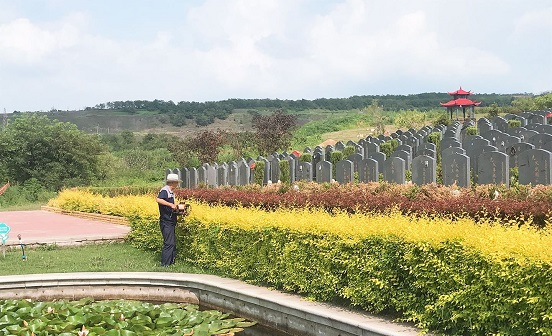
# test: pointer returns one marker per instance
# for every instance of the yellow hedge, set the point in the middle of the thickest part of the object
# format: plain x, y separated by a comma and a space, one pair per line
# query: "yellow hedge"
488, 236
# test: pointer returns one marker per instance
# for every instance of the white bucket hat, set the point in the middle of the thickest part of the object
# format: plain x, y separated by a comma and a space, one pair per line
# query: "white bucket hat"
173, 178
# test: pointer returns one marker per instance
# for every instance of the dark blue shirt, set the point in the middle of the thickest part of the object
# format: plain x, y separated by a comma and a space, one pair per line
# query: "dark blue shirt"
166, 214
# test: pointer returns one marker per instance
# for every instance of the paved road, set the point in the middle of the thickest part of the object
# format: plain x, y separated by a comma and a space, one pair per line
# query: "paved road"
47, 227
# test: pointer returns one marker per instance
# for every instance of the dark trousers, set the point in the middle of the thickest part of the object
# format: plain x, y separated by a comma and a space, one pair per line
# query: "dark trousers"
168, 253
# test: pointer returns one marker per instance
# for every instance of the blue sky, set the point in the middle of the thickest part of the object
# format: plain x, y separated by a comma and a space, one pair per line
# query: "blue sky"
68, 54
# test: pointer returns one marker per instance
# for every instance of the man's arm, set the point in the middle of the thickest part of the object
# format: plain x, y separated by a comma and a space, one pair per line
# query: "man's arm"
163, 202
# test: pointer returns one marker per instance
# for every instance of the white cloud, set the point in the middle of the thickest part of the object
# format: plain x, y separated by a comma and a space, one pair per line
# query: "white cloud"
260, 48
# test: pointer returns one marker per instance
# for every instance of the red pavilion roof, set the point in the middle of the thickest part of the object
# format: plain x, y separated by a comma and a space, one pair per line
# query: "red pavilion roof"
460, 92
461, 102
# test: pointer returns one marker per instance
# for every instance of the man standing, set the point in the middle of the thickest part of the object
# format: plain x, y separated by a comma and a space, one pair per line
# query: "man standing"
167, 219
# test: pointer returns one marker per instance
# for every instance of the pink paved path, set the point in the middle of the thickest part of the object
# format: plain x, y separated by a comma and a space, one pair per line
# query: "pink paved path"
48, 227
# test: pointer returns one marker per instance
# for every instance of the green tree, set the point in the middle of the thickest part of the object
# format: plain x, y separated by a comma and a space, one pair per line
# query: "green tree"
56, 154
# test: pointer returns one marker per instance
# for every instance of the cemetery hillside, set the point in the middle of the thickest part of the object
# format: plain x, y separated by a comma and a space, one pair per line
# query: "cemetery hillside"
434, 209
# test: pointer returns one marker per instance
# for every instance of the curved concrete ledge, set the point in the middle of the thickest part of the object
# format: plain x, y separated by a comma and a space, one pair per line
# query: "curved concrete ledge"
272, 308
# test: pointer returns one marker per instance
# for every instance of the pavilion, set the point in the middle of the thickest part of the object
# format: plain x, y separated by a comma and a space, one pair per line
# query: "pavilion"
461, 102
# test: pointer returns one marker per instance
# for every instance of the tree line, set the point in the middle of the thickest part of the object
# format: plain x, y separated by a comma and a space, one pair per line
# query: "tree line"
205, 113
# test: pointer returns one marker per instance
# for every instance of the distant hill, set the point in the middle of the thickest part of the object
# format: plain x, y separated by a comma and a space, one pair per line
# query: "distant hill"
235, 114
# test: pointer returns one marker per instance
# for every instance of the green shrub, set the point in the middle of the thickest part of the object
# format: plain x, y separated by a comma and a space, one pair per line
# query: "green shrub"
386, 148
349, 150
472, 130
285, 172
258, 173
512, 123
305, 158
335, 157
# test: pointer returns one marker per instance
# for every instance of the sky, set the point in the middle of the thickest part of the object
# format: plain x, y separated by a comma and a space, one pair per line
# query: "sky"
68, 54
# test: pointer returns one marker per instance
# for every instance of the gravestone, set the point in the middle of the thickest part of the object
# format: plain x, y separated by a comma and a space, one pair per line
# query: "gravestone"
394, 170
344, 172
185, 177
212, 175
359, 149
414, 143
516, 131
202, 176
194, 178
355, 159
456, 169
540, 140
307, 150
484, 125
475, 153
494, 136
244, 173
275, 170
528, 134
328, 152
453, 150
305, 171
536, 119
222, 175
493, 168
380, 158
340, 146
427, 152
514, 150
535, 167
500, 124
252, 164
368, 171
406, 156
424, 169
324, 172
406, 148
233, 173
266, 171
428, 145
370, 147
293, 164
450, 142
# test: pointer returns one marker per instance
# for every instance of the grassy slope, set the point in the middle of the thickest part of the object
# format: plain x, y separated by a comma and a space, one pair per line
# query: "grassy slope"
117, 257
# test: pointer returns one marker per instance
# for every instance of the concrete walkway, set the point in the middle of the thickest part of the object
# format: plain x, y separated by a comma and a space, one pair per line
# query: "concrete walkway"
43, 227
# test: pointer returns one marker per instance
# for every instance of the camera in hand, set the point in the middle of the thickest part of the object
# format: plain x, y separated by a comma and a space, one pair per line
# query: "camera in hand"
182, 209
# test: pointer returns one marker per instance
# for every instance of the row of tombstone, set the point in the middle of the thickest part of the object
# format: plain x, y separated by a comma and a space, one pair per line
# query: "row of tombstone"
485, 158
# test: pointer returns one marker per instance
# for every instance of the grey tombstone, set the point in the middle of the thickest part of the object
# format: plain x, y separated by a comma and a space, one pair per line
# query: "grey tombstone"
540, 140
399, 132
370, 147
233, 173
500, 124
424, 170
339, 146
167, 172
514, 150
536, 119
324, 172
266, 171
406, 156
344, 172
475, 153
456, 169
355, 159
381, 137
377, 141
222, 175
202, 176
212, 175
494, 136
449, 142
194, 178
528, 134
426, 152
368, 171
493, 168
428, 145
351, 143
516, 131
380, 158
394, 170
328, 152
535, 167
185, 172
449, 133
252, 163
359, 149
244, 173
453, 150
305, 172
414, 143
275, 170
405, 148
484, 125
317, 156
293, 164
307, 150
